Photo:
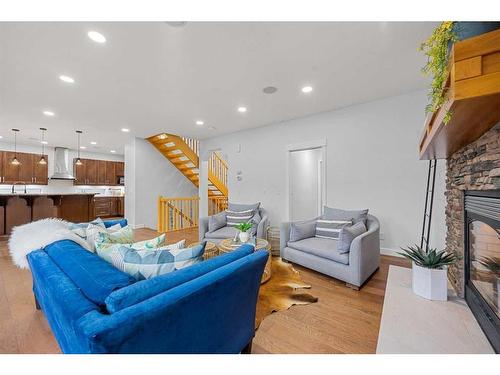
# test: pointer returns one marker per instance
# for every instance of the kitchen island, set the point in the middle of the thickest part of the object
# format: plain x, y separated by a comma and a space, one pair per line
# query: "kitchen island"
22, 208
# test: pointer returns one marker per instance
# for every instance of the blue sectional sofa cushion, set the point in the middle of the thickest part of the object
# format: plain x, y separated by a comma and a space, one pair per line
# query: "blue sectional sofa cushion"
110, 223
95, 277
142, 290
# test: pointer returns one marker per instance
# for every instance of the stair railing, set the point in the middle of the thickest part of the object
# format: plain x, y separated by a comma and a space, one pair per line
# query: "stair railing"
216, 205
177, 213
217, 172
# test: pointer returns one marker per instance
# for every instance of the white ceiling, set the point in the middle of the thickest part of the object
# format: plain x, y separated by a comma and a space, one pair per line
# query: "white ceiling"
152, 77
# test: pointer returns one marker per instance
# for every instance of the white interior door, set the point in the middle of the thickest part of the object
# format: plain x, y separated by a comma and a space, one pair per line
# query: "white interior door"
306, 183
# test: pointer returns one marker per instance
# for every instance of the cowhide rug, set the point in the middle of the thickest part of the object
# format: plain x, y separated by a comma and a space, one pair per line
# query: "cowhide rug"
282, 291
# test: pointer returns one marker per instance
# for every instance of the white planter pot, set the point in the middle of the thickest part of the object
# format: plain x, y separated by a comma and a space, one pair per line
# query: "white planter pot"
430, 283
244, 236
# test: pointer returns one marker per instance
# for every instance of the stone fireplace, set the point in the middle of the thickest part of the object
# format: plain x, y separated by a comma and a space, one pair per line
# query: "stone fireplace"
474, 167
473, 228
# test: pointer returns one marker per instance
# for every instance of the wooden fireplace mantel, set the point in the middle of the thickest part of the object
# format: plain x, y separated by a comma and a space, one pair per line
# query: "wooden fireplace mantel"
473, 98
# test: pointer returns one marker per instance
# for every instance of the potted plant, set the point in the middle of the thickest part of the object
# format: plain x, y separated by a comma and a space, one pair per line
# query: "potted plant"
429, 271
437, 49
244, 228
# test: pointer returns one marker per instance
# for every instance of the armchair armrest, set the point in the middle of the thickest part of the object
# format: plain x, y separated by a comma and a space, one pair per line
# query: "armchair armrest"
202, 227
262, 227
284, 235
364, 254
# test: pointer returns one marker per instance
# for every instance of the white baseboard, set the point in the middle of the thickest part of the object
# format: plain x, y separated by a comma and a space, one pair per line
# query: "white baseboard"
139, 226
390, 252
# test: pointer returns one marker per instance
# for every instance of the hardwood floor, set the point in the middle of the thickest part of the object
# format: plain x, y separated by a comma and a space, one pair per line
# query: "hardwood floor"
342, 321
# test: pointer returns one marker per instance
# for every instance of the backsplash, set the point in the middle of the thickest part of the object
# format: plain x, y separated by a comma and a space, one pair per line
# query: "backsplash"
64, 187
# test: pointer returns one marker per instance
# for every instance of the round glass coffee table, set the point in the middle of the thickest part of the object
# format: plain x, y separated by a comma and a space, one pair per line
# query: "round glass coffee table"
228, 245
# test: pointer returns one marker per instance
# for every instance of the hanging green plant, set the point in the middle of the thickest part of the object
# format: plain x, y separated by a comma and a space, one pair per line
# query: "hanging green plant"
436, 49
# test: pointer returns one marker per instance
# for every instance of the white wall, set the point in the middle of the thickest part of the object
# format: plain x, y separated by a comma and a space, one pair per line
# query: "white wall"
148, 175
371, 162
59, 186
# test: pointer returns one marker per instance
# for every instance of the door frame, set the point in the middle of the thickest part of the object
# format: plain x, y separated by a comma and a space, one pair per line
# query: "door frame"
309, 145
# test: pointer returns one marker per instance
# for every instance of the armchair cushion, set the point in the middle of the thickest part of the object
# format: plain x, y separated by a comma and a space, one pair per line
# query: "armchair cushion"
348, 234
339, 214
302, 229
217, 221
243, 207
330, 229
321, 247
222, 233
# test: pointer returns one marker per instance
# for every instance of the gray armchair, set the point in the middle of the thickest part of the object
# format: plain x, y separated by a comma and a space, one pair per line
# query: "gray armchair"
229, 232
321, 255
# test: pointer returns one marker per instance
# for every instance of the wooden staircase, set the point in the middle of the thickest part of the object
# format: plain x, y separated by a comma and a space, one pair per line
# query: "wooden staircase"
184, 154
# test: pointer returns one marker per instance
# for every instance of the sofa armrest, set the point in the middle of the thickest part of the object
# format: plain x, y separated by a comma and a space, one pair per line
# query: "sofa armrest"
364, 254
202, 227
284, 235
262, 227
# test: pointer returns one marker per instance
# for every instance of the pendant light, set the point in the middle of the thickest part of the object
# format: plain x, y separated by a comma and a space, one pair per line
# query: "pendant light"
15, 161
78, 160
42, 160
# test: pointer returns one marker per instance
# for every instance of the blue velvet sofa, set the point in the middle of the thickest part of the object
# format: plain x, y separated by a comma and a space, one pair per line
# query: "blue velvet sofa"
92, 307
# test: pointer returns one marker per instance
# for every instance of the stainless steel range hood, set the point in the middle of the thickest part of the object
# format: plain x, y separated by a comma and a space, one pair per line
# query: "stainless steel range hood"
61, 165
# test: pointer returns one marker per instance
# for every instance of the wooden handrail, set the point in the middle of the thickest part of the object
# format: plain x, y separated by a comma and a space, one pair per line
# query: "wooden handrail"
183, 213
177, 213
217, 172
216, 205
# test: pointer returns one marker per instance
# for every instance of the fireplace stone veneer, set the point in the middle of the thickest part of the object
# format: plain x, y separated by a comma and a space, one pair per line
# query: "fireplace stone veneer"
474, 167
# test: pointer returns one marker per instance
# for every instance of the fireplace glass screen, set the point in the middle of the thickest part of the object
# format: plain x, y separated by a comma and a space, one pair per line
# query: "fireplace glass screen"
484, 247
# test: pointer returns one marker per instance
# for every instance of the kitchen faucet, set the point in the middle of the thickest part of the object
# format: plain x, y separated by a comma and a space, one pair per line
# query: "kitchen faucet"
19, 183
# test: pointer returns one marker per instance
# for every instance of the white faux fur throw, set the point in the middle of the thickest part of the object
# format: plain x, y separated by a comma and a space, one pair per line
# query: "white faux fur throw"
38, 234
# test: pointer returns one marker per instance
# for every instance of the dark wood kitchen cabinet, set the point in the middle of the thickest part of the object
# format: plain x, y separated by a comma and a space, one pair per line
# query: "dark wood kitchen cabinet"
108, 206
97, 172
29, 171
101, 172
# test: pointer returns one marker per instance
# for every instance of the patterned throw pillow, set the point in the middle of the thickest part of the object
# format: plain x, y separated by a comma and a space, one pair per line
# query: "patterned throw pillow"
330, 228
105, 249
80, 229
233, 218
145, 264
124, 235
93, 233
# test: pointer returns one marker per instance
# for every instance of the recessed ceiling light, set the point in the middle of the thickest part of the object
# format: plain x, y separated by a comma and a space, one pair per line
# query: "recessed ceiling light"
1, 136
44, 142
48, 113
112, 151
67, 79
83, 147
93, 143
125, 130
269, 90
96, 37
307, 89
242, 109
200, 122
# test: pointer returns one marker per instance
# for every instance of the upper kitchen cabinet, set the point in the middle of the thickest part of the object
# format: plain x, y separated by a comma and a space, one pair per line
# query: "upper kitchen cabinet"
97, 172
29, 171
110, 173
